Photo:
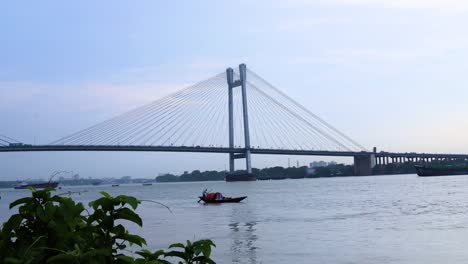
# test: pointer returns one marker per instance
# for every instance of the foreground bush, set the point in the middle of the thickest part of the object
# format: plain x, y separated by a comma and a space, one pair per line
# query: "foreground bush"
55, 229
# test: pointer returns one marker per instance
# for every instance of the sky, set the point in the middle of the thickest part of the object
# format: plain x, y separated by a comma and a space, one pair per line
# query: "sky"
388, 73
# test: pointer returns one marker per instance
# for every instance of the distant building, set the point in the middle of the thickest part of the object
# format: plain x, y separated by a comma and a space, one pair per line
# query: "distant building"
316, 164
125, 179
76, 177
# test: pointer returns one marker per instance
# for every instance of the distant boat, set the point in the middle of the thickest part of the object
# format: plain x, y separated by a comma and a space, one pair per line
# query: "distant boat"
96, 182
115, 185
40, 185
147, 184
440, 170
25, 185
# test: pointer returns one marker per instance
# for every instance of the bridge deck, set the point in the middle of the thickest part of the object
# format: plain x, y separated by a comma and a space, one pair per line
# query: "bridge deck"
196, 149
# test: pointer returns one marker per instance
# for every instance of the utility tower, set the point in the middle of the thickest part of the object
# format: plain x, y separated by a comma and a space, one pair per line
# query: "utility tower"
245, 154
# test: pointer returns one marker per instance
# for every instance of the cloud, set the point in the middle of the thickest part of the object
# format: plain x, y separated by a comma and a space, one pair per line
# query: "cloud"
129, 96
425, 48
100, 97
129, 88
359, 56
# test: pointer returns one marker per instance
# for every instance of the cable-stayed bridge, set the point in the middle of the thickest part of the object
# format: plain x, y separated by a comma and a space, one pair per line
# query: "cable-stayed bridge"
235, 112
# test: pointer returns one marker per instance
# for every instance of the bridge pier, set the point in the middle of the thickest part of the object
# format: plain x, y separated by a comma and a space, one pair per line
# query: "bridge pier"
363, 165
242, 82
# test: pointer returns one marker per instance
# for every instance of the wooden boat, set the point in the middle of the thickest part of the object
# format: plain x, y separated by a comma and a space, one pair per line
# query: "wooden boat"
224, 200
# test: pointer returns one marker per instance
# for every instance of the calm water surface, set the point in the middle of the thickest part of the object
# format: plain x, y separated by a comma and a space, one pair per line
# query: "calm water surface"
378, 219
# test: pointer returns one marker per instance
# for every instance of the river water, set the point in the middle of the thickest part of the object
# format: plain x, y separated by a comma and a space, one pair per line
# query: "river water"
375, 219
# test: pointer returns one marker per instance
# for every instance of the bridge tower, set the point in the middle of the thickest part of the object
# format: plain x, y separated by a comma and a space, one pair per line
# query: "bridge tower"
245, 154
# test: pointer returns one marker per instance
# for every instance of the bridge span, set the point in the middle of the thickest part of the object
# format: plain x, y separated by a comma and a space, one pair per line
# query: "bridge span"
364, 161
228, 113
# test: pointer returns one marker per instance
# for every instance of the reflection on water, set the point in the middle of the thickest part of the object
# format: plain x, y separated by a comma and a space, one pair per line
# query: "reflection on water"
243, 241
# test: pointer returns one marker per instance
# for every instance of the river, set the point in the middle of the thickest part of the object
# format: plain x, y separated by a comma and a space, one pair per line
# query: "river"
375, 219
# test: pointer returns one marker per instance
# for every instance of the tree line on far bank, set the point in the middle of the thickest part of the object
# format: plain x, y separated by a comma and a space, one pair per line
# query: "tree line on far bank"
278, 172
273, 173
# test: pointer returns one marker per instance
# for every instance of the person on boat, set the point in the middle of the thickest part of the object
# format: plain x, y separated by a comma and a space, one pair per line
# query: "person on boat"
218, 196
207, 196
212, 196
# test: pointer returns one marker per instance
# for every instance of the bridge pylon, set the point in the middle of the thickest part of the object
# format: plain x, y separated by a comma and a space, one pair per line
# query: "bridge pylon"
246, 153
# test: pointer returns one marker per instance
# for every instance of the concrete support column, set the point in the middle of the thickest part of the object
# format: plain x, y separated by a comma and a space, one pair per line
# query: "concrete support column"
243, 79
246, 152
363, 165
230, 80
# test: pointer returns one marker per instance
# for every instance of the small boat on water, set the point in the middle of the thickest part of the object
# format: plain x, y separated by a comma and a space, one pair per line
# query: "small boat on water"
223, 200
440, 170
218, 198
115, 185
42, 185
147, 184
98, 182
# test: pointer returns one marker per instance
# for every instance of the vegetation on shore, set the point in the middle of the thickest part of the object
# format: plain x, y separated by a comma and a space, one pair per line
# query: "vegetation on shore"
273, 173
278, 173
54, 229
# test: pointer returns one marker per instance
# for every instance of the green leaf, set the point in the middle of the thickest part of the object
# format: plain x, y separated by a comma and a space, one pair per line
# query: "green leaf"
175, 254
105, 203
41, 214
11, 260
61, 232
97, 252
127, 214
124, 259
203, 246
132, 201
61, 258
107, 195
150, 256
177, 245
50, 209
135, 239
203, 259
206, 250
14, 222
118, 230
21, 201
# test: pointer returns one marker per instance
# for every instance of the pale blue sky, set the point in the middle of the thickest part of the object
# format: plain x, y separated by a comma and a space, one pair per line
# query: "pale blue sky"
390, 74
